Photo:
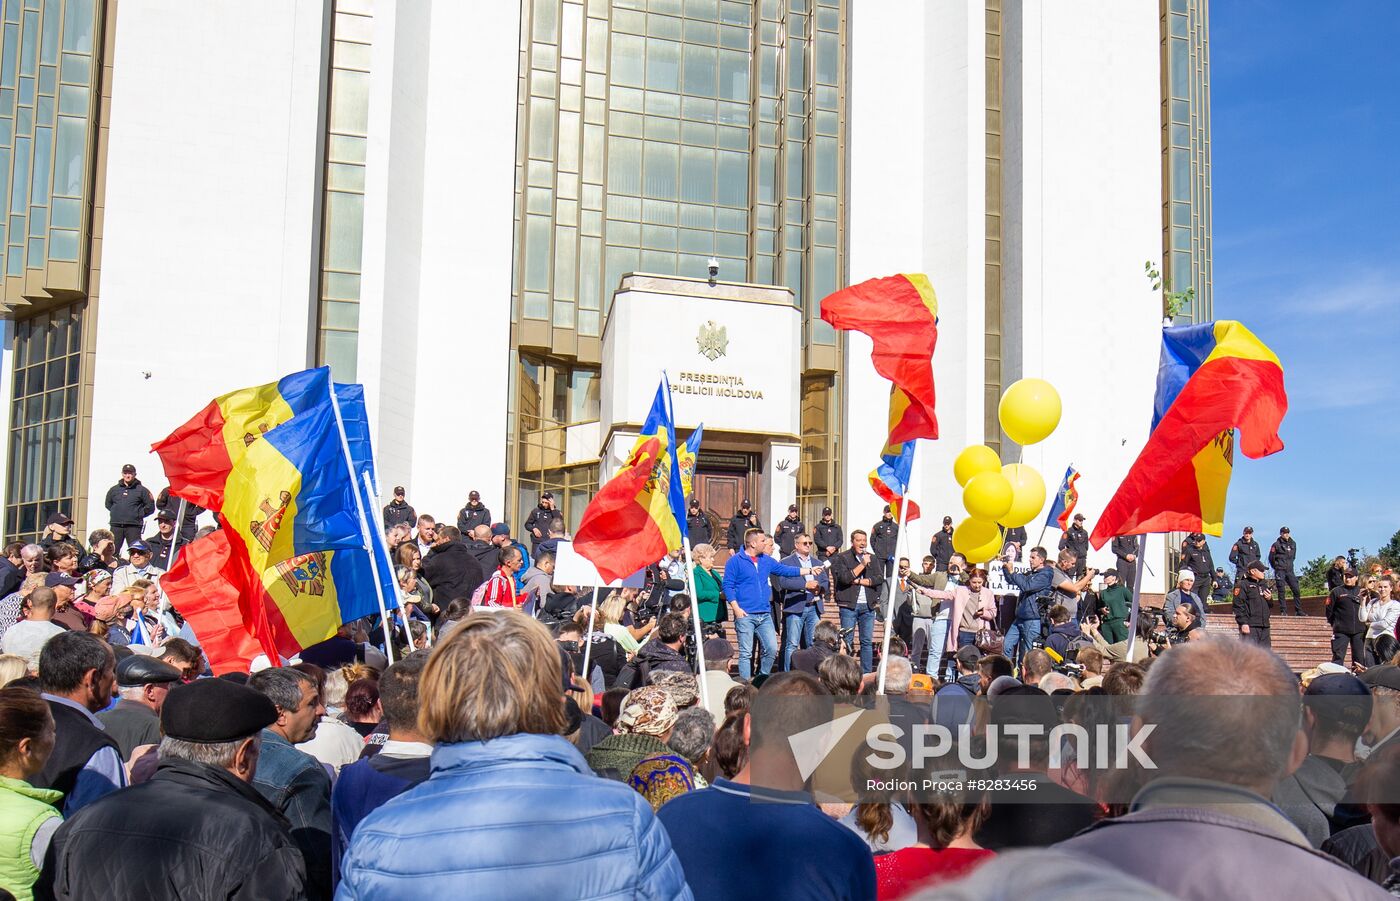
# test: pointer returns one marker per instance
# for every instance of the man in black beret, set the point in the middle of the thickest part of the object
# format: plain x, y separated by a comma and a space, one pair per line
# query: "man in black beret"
143, 684
197, 829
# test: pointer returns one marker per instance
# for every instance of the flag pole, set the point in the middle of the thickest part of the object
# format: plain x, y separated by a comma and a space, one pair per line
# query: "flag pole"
1137, 594
175, 538
695, 622
588, 639
394, 580
889, 605
365, 531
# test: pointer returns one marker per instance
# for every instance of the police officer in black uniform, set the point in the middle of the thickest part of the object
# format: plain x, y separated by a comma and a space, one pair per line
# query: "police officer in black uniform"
940, 546
1282, 553
739, 524
698, 524
786, 531
1251, 604
827, 535
1076, 540
1344, 613
1195, 556
1125, 548
884, 536
1244, 551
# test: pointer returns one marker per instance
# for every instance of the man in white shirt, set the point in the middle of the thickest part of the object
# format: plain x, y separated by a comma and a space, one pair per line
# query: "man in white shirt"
140, 567
719, 653
27, 637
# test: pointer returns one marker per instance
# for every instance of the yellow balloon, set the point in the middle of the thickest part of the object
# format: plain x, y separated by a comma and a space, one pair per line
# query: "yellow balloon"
1029, 411
974, 534
988, 496
974, 459
988, 551
1029, 490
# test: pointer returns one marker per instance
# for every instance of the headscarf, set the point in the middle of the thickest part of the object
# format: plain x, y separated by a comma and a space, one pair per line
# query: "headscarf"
647, 711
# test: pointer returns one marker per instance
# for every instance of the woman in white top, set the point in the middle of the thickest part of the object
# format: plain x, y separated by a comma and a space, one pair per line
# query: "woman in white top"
1381, 615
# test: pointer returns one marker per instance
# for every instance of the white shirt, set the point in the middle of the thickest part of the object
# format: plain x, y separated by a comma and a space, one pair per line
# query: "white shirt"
1381, 616
408, 749
335, 744
27, 638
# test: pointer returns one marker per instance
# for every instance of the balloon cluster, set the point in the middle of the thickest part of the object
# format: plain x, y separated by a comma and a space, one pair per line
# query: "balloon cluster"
998, 496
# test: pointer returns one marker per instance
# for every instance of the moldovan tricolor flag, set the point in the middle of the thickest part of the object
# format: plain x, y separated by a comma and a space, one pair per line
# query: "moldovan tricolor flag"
631, 521
1213, 378
900, 314
1066, 499
890, 480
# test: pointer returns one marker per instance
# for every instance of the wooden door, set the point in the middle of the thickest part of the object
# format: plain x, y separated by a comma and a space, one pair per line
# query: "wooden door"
720, 494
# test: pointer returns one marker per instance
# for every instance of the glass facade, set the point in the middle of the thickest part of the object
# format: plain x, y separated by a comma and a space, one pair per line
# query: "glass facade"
654, 135
44, 420
343, 213
49, 72
553, 401
1186, 207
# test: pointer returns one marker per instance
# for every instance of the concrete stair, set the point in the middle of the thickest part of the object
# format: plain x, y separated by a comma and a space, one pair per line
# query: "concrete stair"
1302, 641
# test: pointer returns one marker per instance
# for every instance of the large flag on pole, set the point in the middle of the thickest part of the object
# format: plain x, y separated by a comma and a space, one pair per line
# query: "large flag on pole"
900, 314
1066, 499
632, 520
890, 480
1212, 379
291, 555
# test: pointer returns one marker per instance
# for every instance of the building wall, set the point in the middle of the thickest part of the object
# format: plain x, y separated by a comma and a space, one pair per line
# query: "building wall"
1084, 162
210, 221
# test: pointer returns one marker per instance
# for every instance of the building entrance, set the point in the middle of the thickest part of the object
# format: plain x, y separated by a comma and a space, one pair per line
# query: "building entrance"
722, 482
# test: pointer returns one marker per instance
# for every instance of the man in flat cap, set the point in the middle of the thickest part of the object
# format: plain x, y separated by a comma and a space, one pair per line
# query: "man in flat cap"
198, 828
143, 684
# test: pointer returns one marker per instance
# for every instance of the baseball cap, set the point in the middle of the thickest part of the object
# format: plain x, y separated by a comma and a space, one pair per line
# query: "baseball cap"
138, 547
695, 502
887, 508
826, 511
718, 649
168, 515
1109, 572
54, 579
792, 508
500, 528
474, 496
398, 491
1079, 517
1258, 564
547, 496
744, 503
1387, 675
968, 655
128, 469
59, 519
1249, 530
1283, 530
947, 520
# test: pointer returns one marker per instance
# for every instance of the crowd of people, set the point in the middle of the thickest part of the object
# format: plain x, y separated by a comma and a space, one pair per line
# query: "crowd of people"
535, 739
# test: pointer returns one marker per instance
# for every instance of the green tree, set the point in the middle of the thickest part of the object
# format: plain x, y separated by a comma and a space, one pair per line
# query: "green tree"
1313, 578
1390, 553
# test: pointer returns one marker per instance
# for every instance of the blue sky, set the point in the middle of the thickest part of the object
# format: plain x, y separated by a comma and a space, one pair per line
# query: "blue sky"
1306, 181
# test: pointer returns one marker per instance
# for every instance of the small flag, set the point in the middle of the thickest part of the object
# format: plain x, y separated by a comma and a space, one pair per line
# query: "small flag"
1066, 499
890, 480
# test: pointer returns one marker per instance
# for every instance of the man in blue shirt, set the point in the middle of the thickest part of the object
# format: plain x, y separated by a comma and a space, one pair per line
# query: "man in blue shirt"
765, 818
1035, 588
747, 588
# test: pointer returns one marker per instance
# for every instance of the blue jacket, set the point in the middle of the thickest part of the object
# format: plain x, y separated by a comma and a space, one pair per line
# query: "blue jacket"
516, 817
1034, 586
746, 580
796, 597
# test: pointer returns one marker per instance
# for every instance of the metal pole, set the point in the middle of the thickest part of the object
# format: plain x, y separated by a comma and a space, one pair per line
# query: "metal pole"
889, 604
1137, 593
394, 580
588, 639
695, 621
175, 538
365, 530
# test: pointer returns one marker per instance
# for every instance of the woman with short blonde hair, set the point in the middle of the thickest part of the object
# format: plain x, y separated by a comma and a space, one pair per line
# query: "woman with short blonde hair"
491, 697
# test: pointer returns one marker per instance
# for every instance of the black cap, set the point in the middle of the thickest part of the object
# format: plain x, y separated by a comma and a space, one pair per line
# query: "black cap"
1079, 517
55, 579
1352, 699
947, 520
215, 710
1109, 572
138, 547
1249, 530
398, 491
826, 511
968, 655
1386, 675
792, 508
1259, 565
1283, 530
718, 649
744, 503
547, 496
128, 469
695, 502
59, 519
167, 515
887, 509
474, 496
138, 669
